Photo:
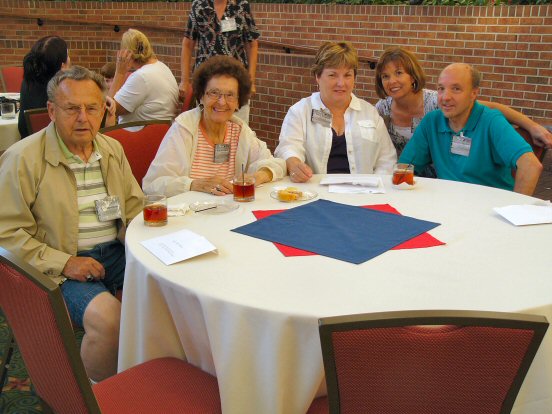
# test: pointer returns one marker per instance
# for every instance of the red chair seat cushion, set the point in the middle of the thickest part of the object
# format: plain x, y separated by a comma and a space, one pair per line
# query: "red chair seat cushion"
319, 406
163, 385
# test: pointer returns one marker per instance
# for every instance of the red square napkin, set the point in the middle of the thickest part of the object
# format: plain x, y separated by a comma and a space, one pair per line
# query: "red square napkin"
423, 240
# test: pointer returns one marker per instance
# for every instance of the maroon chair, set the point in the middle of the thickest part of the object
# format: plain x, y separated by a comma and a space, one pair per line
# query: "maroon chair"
140, 146
37, 315
36, 119
428, 361
12, 78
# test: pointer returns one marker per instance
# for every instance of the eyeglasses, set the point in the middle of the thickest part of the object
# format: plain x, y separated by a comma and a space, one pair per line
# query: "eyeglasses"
216, 94
74, 110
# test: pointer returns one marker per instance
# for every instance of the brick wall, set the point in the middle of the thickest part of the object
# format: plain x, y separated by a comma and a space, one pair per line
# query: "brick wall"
511, 45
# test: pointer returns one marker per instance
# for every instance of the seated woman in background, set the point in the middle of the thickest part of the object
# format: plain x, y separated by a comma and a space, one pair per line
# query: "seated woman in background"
108, 72
47, 56
400, 82
151, 91
207, 146
333, 131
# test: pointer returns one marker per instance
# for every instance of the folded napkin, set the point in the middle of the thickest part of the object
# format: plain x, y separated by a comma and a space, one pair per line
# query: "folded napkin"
177, 209
344, 232
526, 214
421, 241
364, 180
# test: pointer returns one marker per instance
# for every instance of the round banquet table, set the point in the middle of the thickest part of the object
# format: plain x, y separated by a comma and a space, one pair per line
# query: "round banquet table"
9, 134
249, 315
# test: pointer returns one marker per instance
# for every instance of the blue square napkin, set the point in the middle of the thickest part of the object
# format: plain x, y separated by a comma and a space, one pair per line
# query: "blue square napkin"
344, 232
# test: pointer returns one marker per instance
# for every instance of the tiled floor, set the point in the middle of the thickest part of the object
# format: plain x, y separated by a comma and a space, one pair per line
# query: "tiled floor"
544, 187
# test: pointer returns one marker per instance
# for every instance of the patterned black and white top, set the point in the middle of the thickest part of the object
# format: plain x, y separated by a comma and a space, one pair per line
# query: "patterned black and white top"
206, 29
384, 108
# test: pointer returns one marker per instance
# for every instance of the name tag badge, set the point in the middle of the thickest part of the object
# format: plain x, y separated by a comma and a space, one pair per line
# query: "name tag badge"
108, 208
228, 25
222, 153
322, 117
460, 145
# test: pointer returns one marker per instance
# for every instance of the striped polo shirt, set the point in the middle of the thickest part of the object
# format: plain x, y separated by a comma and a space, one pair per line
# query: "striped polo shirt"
90, 187
203, 165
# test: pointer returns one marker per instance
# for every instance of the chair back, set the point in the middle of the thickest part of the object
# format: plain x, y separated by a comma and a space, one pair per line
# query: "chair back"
140, 146
428, 361
36, 313
36, 119
539, 151
12, 78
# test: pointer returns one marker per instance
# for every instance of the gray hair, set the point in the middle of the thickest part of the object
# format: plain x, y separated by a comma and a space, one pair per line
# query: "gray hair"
77, 73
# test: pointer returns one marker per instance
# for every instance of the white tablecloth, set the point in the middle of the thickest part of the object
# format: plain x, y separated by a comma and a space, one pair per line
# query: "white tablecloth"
249, 315
9, 133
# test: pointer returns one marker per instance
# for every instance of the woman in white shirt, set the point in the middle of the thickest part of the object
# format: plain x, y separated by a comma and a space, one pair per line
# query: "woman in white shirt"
150, 91
207, 146
333, 131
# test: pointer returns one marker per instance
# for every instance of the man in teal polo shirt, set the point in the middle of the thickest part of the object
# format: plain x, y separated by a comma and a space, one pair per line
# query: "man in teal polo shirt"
469, 142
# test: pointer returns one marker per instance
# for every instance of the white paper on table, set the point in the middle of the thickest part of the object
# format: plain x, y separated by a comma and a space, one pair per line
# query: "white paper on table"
522, 215
364, 180
358, 189
181, 245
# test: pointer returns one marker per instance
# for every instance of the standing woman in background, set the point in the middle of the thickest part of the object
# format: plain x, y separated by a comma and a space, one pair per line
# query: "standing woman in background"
400, 82
47, 56
220, 27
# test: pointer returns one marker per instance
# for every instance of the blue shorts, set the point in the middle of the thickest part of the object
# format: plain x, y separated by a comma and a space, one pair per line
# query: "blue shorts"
78, 295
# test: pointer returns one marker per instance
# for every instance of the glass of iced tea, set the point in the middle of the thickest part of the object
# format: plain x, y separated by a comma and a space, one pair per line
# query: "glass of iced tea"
155, 210
244, 188
403, 175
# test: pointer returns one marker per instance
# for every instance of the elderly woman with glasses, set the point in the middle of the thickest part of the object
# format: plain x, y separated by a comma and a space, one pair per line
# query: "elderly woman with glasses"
332, 131
207, 146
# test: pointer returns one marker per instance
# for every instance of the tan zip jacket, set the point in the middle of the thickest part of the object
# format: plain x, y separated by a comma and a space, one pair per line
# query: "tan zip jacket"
38, 207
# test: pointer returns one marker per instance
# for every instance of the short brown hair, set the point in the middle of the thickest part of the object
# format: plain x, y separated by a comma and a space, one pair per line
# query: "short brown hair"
407, 60
108, 70
137, 42
335, 55
222, 65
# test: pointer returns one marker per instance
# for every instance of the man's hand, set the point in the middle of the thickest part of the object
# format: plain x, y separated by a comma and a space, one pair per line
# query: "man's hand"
79, 268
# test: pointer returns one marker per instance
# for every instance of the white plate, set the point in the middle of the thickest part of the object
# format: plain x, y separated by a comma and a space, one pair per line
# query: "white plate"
307, 195
214, 206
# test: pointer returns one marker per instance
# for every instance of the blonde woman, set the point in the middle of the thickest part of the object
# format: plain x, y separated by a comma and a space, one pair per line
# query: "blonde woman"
151, 91
333, 131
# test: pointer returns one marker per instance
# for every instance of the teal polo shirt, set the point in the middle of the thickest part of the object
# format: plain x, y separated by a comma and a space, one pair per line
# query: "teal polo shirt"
495, 148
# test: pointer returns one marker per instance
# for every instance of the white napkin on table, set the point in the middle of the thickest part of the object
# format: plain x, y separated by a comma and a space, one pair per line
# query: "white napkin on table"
523, 215
177, 209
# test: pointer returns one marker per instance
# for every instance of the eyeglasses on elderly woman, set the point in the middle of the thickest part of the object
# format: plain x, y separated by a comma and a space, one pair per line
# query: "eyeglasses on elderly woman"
216, 94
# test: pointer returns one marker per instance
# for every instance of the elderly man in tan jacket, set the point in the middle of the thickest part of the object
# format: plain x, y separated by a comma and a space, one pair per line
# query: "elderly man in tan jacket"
69, 194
